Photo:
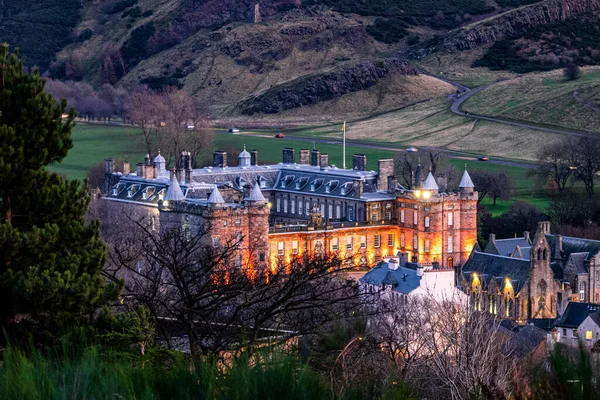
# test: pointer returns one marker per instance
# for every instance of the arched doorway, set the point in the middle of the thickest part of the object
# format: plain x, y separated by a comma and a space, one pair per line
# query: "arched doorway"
450, 262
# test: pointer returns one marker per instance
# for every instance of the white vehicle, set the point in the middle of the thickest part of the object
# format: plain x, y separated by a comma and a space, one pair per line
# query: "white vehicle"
234, 130
412, 149
190, 126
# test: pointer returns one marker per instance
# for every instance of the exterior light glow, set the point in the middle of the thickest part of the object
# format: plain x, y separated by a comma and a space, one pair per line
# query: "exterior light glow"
426, 194
270, 204
166, 203
417, 193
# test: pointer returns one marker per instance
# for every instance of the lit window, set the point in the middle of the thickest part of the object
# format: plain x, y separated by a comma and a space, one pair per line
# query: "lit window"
390, 239
375, 217
363, 242
402, 240
349, 243
426, 246
280, 248
388, 215
334, 244
581, 291
295, 247
450, 218
450, 244
415, 243
375, 206
426, 222
415, 217
377, 241
402, 216
589, 335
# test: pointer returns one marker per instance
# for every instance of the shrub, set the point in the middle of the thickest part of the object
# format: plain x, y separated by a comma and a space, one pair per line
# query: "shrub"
571, 72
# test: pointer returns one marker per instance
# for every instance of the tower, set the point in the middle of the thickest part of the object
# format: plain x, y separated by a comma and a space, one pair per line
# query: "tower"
542, 287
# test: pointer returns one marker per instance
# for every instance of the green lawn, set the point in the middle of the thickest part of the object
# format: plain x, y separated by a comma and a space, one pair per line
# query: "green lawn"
93, 143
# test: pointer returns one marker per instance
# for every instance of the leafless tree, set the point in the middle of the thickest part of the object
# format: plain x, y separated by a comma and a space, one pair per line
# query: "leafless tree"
584, 154
554, 165
144, 109
429, 159
497, 185
221, 304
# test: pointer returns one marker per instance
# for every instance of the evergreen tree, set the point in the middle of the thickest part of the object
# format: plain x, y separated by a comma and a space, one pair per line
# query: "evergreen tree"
50, 258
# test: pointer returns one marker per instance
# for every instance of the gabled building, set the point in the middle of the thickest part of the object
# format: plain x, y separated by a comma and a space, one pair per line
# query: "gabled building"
309, 207
580, 323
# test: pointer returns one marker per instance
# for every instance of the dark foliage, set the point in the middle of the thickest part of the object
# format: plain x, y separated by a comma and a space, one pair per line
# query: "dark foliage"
547, 47
515, 3
572, 72
135, 48
84, 35
40, 28
519, 218
159, 83
388, 30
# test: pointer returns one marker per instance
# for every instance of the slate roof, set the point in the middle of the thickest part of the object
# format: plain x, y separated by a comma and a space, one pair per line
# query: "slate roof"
505, 247
526, 340
215, 197
145, 192
521, 252
256, 194
404, 280
430, 183
492, 266
574, 245
576, 313
577, 260
595, 317
174, 192
466, 181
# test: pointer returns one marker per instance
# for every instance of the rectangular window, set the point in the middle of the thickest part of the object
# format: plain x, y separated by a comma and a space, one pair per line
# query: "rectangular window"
589, 335
581, 291
564, 332
323, 210
293, 207
278, 202
334, 244
349, 243
216, 242
330, 211
375, 217
280, 248
402, 216
300, 211
415, 217
295, 247
426, 222
450, 244
388, 215
597, 275
415, 243
390, 239
402, 240
450, 218
238, 221
307, 208
363, 242
338, 211
377, 241
427, 246
350, 213
285, 206
238, 261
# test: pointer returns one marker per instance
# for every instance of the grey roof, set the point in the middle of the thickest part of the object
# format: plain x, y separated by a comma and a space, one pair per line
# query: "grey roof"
215, 197
577, 261
492, 266
574, 245
430, 183
576, 313
256, 194
465, 181
505, 247
595, 317
403, 280
526, 340
521, 252
159, 158
144, 192
174, 192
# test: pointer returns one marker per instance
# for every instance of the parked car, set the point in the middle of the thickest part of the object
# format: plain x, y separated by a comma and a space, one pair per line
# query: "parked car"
234, 130
190, 126
412, 149
279, 135
483, 158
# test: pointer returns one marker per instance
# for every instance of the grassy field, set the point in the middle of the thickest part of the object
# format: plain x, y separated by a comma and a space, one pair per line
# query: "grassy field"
94, 143
545, 98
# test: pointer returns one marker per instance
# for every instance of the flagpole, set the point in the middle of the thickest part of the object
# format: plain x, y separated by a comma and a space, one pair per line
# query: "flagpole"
344, 146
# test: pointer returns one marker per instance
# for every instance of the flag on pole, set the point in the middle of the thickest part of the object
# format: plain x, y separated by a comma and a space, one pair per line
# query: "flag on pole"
344, 126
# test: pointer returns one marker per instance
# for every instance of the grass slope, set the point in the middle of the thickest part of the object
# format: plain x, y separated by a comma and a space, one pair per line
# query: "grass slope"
545, 98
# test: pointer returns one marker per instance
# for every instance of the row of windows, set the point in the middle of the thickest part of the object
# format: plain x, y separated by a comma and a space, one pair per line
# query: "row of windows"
304, 207
335, 244
449, 218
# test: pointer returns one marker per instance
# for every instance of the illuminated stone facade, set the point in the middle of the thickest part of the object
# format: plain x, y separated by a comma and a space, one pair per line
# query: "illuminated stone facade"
291, 210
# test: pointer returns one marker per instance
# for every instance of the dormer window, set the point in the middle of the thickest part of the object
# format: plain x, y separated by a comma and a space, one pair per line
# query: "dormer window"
148, 192
312, 187
161, 194
285, 182
133, 189
118, 188
330, 186
316, 184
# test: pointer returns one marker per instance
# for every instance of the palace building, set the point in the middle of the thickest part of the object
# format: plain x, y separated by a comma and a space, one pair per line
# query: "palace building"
303, 207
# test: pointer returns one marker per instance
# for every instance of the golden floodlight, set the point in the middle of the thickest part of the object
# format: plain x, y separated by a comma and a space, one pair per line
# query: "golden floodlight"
417, 193
426, 194
270, 205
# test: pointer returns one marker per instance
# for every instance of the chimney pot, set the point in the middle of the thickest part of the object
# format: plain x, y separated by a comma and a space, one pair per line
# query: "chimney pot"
126, 168
315, 158
109, 165
492, 237
288, 155
324, 161
254, 157
305, 156
526, 235
220, 159
359, 162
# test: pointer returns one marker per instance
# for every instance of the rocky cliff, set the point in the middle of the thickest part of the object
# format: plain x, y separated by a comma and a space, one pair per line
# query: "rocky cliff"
325, 86
509, 24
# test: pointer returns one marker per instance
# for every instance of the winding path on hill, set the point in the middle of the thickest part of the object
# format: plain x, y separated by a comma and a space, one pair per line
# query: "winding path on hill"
466, 93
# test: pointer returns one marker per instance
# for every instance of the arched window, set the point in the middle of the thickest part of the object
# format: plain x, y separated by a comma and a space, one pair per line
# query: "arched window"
539, 254
544, 256
450, 262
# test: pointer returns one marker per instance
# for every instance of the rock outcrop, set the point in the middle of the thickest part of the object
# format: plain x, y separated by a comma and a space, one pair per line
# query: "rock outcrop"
320, 87
510, 24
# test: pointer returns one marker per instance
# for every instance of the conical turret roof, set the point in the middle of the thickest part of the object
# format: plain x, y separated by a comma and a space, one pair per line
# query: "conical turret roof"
466, 181
174, 192
256, 194
430, 183
215, 197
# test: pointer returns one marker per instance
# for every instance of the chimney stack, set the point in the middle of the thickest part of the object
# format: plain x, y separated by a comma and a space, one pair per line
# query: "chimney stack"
126, 168
288, 155
358, 187
559, 246
526, 236
385, 169
254, 157
324, 161
220, 159
359, 162
315, 158
392, 184
147, 160
109, 166
304, 156
139, 169
492, 237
